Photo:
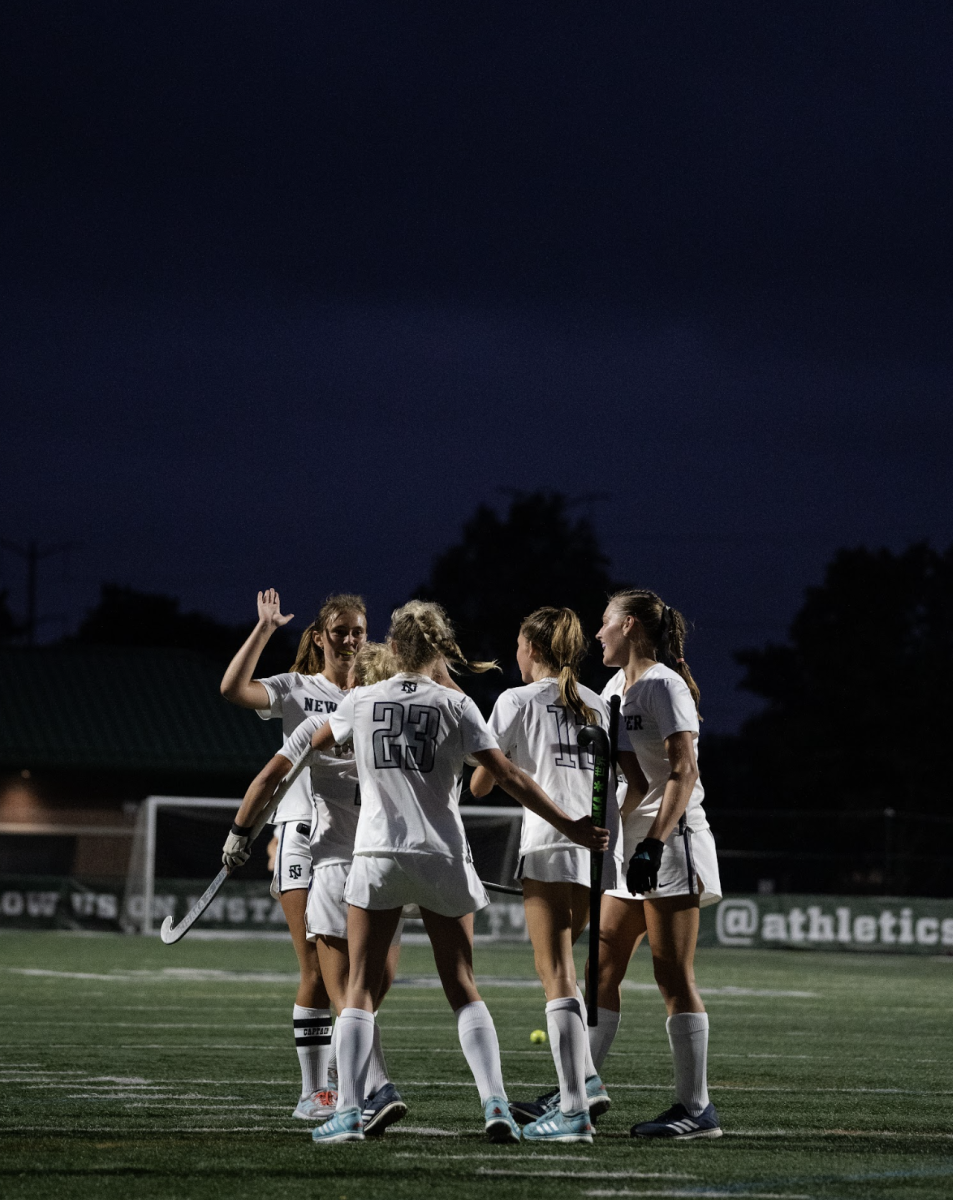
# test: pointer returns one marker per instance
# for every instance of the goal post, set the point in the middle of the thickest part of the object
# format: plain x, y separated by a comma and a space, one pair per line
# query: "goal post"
176, 850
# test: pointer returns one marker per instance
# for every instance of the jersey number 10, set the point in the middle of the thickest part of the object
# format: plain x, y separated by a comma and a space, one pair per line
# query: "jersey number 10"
571, 754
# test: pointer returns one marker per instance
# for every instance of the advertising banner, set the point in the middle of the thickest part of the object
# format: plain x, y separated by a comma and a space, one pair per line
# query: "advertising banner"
861, 923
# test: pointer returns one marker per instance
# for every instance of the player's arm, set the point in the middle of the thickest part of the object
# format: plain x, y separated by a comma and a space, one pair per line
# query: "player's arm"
680, 748
635, 778
481, 783
261, 789
527, 792
237, 684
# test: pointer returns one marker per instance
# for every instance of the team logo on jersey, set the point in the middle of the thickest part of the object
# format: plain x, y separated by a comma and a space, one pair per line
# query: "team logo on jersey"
633, 722
409, 686
295, 870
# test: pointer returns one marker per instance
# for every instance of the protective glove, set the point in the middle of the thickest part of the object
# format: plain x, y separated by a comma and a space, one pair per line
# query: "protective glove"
237, 848
642, 872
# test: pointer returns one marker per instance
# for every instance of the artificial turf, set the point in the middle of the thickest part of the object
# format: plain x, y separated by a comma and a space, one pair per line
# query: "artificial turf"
134, 1069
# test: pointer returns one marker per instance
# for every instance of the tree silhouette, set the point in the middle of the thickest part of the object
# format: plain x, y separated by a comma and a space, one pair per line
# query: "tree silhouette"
125, 617
859, 704
504, 567
10, 629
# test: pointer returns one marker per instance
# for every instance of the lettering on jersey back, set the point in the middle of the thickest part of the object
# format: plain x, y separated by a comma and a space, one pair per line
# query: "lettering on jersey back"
633, 722
405, 738
319, 706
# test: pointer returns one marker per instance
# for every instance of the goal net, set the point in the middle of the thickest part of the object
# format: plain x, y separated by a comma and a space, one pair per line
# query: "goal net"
177, 851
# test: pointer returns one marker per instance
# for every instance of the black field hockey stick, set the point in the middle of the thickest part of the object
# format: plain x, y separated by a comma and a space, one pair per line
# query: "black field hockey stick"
596, 736
501, 887
171, 935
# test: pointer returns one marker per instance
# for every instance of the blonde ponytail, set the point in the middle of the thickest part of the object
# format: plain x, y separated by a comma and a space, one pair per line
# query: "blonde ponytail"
664, 628
421, 632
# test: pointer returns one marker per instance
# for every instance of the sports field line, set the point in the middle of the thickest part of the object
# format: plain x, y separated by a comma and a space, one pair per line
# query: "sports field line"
549, 1174
708, 1194
425, 982
837, 1133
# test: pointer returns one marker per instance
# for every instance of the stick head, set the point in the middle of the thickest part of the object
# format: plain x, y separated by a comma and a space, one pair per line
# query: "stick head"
166, 932
594, 735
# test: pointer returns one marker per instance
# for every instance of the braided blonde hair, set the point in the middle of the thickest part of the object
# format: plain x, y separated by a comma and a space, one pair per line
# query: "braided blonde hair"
420, 632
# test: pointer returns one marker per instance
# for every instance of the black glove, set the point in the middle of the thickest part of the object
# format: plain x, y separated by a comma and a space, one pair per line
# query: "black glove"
642, 872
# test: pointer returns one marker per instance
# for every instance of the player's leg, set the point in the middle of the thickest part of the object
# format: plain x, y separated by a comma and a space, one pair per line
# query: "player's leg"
452, 942
369, 936
621, 930
549, 921
312, 1014
672, 924
383, 1104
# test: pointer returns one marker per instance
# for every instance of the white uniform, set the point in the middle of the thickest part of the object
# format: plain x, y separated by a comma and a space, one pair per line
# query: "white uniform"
656, 706
410, 739
538, 733
336, 800
294, 697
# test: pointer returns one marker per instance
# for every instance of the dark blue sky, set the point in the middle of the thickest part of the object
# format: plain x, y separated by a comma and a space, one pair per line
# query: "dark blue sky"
289, 290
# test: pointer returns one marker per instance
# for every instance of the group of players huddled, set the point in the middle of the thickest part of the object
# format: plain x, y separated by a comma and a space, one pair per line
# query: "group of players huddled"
370, 830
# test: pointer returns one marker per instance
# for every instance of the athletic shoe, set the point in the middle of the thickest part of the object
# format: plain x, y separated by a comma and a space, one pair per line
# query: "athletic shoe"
501, 1129
677, 1123
558, 1126
381, 1109
316, 1107
531, 1110
344, 1126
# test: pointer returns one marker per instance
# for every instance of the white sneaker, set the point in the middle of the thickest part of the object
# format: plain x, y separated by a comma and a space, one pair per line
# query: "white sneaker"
317, 1107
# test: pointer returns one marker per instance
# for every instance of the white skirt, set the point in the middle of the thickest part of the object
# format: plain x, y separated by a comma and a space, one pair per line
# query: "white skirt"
442, 885
293, 860
689, 861
569, 864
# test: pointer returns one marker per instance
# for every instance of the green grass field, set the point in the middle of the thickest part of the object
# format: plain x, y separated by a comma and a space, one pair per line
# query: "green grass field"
134, 1069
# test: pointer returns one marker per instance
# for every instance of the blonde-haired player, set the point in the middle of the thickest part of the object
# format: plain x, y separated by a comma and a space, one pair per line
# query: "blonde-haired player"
411, 735
536, 726
315, 685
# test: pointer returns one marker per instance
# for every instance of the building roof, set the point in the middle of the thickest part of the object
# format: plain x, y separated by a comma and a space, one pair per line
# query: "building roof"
124, 709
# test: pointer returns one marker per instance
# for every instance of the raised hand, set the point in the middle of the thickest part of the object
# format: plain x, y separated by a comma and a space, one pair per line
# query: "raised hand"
269, 609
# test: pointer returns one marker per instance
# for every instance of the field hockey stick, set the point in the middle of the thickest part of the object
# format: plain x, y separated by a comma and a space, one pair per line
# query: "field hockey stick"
501, 887
596, 736
171, 935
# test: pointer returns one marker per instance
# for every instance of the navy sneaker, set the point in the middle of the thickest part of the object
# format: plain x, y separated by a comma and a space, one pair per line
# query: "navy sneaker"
382, 1109
679, 1125
531, 1110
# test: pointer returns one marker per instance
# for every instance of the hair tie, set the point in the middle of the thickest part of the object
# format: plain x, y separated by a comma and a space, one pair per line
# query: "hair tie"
680, 660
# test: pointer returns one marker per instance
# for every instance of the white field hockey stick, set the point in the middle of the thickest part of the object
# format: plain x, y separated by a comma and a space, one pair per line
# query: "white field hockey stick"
171, 935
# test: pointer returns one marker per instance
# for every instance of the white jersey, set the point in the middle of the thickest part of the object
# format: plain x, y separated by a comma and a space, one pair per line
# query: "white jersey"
335, 793
538, 733
410, 739
292, 697
656, 706
616, 687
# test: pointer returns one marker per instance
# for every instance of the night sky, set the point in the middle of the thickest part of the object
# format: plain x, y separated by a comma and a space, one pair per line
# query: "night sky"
289, 289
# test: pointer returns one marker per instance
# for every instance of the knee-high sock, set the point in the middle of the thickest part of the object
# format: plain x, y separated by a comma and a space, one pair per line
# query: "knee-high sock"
312, 1028
590, 1065
481, 1047
567, 1037
688, 1037
602, 1036
355, 1042
377, 1068
333, 1059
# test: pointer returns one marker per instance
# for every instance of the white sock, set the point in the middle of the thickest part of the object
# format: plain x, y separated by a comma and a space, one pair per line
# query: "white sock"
377, 1068
312, 1029
567, 1036
590, 1065
688, 1037
481, 1047
333, 1060
355, 1042
602, 1036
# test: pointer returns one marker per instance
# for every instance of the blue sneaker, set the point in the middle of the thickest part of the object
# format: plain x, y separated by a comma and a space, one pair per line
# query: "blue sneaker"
344, 1126
679, 1125
558, 1126
501, 1129
382, 1109
531, 1110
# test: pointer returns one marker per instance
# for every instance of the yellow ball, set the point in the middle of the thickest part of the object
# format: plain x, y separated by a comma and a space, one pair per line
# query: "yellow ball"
537, 1037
